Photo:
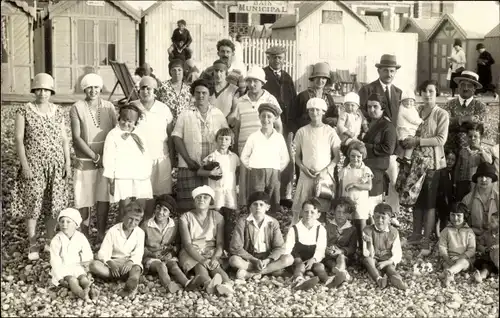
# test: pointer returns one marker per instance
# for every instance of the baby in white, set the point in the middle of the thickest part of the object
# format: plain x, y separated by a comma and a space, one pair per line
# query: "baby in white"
408, 121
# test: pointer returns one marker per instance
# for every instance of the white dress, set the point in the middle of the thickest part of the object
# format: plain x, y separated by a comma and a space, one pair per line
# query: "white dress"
357, 175
318, 145
225, 188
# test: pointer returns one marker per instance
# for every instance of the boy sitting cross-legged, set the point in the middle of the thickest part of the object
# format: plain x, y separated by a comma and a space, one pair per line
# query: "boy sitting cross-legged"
306, 241
122, 250
457, 244
161, 247
257, 243
383, 248
341, 239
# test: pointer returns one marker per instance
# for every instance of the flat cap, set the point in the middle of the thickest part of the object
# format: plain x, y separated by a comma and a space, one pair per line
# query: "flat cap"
273, 109
274, 50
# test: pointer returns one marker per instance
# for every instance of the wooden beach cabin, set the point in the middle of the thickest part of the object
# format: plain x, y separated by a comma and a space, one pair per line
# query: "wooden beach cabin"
206, 25
80, 37
17, 46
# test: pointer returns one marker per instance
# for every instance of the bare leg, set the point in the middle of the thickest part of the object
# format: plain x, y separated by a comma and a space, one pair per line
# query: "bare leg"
418, 219
85, 213
281, 263
102, 219
149, 208
222, 273
99, 269
74, 286
299, 268
85, 285
50, 224
239, 263
319, 270
429, 221
360, 224
31, 229
371, 267
459, 266
161, 269
177, 273
341, 262
132, 282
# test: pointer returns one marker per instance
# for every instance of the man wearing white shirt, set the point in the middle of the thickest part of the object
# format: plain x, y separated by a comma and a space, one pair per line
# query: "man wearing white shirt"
122, 250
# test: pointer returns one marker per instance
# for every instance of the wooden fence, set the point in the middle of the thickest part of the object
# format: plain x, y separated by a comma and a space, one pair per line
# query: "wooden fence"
254, 53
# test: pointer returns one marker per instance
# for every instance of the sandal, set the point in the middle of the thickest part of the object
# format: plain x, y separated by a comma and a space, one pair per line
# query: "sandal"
33, 254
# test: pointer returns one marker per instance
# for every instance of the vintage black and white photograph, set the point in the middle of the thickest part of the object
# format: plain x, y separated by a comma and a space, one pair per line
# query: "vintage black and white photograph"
228, 158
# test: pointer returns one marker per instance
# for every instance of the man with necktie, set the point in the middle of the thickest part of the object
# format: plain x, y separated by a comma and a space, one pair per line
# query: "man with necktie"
280, 85
387, 69
464, 108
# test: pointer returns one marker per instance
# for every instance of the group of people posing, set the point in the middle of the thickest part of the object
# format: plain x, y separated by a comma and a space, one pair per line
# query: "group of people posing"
230, 136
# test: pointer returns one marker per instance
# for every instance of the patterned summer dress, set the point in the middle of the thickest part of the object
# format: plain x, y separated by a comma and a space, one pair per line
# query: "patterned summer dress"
43, 144
177, 102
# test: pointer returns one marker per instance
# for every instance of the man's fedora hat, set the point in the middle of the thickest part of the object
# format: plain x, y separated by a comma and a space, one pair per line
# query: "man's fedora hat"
388, 60
469, 76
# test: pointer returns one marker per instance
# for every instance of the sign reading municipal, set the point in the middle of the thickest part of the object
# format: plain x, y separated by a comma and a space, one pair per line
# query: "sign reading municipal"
268, 7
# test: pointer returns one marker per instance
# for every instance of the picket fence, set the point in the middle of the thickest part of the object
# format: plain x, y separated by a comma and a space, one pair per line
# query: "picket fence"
254, 53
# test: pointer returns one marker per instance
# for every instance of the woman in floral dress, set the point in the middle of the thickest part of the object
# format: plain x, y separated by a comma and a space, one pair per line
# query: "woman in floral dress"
43, 149
175, 92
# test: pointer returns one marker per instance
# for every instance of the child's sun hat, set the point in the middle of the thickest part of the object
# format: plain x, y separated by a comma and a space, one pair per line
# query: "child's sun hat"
318, 103
351, 97
408, 94
72, 214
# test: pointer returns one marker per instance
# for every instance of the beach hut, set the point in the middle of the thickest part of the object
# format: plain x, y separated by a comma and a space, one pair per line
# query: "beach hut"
206, 25
80, 37
492, 43
440, 38
332, 28
422, 27
17, 46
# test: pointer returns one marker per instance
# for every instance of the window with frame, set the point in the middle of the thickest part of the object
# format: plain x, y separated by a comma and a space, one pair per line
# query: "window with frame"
85, 42
331, 17
107, 42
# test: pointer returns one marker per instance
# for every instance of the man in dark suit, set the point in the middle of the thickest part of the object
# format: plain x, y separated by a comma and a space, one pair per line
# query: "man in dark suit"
387, 69
280, 85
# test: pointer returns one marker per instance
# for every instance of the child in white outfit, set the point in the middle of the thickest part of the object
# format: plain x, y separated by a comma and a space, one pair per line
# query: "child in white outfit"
351, 120
355, 181
70, 254
220, 167
127, 163
408, 121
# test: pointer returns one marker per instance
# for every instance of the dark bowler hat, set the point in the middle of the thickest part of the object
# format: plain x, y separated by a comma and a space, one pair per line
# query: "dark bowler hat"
480, 46
388, 60
275, 50
487, 170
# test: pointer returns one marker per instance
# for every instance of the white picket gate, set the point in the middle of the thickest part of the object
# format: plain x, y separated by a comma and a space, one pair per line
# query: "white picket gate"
254, 53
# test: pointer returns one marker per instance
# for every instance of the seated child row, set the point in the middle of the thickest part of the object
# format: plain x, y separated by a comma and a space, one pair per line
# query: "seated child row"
256, 247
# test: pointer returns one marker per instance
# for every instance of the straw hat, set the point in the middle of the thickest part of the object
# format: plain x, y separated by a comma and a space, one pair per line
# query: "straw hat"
469, 76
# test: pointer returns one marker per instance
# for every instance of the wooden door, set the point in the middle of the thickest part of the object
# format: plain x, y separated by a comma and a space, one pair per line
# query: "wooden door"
440, 50
63, 55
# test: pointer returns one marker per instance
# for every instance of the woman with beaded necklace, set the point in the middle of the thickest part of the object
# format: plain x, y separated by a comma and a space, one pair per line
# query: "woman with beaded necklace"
91, 120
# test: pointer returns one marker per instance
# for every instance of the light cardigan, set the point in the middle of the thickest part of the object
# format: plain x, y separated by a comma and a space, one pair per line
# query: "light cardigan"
437, 127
